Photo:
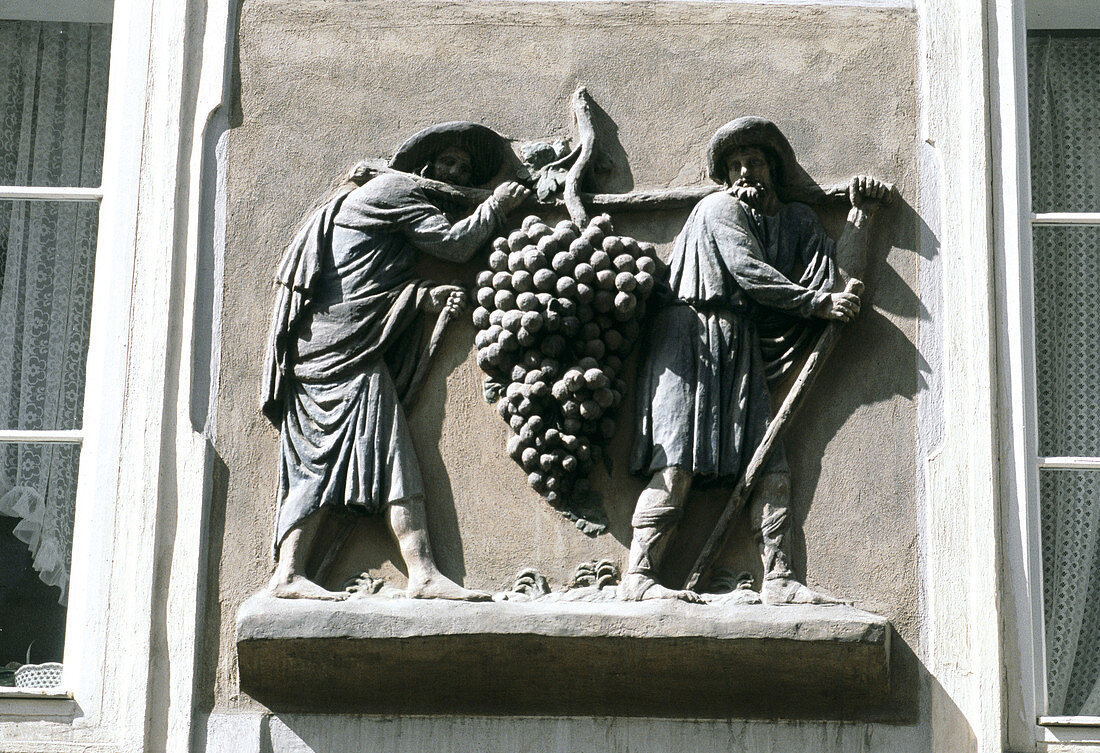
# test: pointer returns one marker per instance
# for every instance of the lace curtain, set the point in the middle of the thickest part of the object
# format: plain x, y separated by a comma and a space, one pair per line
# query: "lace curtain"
1064, 94
53, 94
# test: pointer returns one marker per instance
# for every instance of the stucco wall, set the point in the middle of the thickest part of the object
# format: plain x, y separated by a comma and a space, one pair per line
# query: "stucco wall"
322, 84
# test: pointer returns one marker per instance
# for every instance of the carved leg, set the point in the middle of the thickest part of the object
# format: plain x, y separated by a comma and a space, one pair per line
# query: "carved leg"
771, 520
289, 580
660, 506
408, 522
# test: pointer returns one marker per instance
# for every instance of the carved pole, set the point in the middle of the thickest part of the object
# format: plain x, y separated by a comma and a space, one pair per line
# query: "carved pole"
643, 200
586, 135
417, 380
739, 497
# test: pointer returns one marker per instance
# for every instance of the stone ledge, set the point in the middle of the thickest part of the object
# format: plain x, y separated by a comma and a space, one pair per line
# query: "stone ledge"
660, 659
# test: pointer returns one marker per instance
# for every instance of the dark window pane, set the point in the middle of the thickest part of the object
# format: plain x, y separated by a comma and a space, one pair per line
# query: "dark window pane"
1067, 339
37, 506
47, 253
53, 102
1064, 109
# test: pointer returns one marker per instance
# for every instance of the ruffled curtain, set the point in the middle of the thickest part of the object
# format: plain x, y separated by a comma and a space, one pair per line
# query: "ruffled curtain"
53, 95
1064, 94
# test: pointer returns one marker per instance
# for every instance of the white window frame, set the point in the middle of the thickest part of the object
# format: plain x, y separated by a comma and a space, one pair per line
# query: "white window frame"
1022, 459
21, 700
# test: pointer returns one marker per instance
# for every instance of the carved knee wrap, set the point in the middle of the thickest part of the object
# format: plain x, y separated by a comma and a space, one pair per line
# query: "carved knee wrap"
661, 517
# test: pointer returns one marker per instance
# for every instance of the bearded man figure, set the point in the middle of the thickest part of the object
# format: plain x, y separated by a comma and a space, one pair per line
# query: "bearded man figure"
751, 280
345, 343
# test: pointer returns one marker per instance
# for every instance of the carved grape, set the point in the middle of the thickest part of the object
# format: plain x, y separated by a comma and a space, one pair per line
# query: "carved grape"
558, 310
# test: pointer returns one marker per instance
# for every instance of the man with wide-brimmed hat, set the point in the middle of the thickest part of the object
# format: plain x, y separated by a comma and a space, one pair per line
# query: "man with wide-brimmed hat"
345, 343
751, 281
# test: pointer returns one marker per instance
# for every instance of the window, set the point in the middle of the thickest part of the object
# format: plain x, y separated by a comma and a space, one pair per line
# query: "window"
1063, 110
1050, 105
53, 98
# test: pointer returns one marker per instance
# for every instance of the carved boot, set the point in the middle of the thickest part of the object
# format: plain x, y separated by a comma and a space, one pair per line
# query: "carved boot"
772, 520
654, 520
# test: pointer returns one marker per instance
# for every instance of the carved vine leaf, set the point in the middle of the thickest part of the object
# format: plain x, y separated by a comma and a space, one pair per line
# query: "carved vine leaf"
551, 181
724, 580
597, 573
548, 164
530, 582
364, 584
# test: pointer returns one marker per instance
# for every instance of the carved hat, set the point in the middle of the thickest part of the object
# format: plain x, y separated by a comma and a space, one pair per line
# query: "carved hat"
488, 150
759, 132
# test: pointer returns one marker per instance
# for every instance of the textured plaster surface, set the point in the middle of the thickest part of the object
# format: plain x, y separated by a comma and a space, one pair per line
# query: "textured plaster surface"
323, 84
311, 733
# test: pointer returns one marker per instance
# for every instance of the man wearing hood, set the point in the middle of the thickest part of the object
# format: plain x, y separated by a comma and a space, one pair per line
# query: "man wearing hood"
344, 347
751, 281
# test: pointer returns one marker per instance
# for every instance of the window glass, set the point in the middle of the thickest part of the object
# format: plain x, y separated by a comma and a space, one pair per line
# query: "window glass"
47, 252
53, 102
1064, 110
1067, 338
1071, 589
37, 506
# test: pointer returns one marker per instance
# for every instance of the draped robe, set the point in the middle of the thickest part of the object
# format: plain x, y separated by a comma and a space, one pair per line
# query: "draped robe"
735, 317
344, 344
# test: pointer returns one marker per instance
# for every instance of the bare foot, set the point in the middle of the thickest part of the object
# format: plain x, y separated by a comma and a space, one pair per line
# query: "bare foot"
638, 587
438, 586
303, 588
790, 591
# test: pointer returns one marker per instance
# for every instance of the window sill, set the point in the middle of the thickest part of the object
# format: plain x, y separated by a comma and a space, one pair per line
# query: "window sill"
10, 692
652, 658
27, 704
1069, 729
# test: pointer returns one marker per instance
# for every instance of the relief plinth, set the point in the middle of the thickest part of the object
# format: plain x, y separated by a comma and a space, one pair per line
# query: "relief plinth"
658, 658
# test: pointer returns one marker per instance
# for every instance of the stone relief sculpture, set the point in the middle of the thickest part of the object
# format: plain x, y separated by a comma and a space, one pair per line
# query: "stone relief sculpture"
342, 350
749, 275
754, 285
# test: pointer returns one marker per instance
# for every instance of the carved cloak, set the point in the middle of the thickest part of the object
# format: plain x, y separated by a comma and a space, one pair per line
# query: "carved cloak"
741, 289
344, 344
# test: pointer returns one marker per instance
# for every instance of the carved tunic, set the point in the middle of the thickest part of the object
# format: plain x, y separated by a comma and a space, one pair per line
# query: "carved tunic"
345, 341
741, 289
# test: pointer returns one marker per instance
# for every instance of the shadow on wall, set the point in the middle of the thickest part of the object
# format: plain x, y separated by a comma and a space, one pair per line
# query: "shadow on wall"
208, 635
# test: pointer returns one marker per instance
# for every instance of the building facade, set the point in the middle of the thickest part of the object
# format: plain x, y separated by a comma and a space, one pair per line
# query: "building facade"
942, 471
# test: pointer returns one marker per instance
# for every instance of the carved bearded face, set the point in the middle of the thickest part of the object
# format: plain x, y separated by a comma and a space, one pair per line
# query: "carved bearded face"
750, 177
452, 165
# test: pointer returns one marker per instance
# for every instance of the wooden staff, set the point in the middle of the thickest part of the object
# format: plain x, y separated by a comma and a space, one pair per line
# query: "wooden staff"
417, 381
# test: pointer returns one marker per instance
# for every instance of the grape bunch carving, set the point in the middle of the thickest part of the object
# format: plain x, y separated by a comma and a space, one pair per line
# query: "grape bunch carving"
558, 311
